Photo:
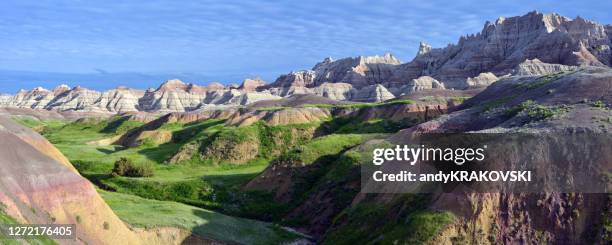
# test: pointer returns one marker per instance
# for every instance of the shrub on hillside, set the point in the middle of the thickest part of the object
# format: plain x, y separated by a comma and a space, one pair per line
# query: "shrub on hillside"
125, 167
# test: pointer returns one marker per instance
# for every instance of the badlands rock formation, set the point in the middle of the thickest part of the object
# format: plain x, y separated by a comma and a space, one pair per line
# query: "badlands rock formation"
252, 84
359, 71
502, 45
532, 44
483, 80
574, 118
171, 96
39, 186
372, 93
422, 83
536, 67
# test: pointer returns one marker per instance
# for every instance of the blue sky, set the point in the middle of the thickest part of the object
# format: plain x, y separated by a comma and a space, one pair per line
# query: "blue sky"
103, 44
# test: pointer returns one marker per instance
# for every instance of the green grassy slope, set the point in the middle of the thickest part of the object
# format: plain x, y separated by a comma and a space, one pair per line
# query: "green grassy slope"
146, 213
180, 194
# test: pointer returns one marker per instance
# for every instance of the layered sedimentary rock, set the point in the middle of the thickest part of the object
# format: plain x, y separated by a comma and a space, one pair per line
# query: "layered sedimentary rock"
335, 91
372, 93
37, 98
482, 80
507, 42
561, 218
171, 96
39, 186
121, 99
532, 44
77, 98
251, 97
251, 84
536, 67
359, 71
422, 83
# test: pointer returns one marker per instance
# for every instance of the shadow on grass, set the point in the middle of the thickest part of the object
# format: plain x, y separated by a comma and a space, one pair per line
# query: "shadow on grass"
112, 126
193, 129
230, 179
161, 152
98, 180
232, 230
109, 151
355, 125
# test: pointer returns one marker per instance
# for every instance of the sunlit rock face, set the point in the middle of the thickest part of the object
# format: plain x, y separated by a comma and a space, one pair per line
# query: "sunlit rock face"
40, 186
507, 42
359, 71
372, 93
420, 84
483, 80
536, 67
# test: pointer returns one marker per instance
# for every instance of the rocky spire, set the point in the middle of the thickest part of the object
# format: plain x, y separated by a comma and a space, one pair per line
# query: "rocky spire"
424, 48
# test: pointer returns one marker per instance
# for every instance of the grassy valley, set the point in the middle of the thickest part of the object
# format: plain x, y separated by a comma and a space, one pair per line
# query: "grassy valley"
202, 171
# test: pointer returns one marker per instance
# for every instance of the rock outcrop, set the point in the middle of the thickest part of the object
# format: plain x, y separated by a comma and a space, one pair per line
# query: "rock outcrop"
562, 218
360, 72
483, 80
171, 96
119, 100
372, 93
507, 42
39, 186
536, 67
422, 83
251, 84
335, 91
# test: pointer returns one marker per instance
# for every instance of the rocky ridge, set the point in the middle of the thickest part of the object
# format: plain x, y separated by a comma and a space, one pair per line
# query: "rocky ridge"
532, 44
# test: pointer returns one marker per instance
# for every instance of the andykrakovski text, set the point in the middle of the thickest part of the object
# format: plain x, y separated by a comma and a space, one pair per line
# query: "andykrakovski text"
454, 176
458, 156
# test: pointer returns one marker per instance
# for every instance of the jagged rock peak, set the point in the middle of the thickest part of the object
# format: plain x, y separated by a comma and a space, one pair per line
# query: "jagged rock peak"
215, 86
173, 84
40, 89
60, 89
252, 84
387, 58
329, 63
507, 42
424, 48
532, 21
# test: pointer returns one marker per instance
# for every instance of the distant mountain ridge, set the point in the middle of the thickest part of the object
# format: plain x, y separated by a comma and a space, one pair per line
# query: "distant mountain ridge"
532, 44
